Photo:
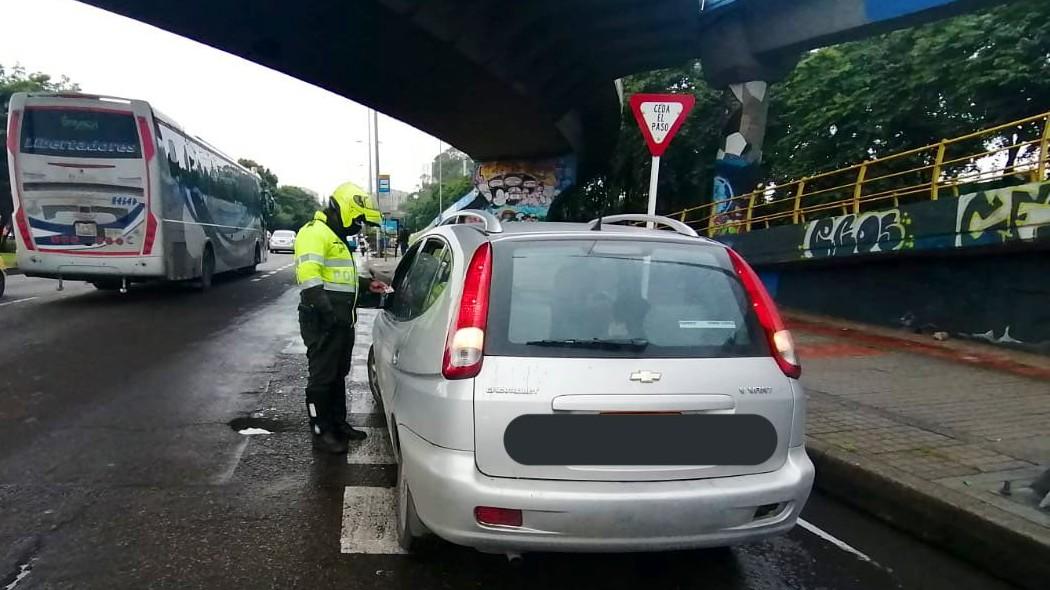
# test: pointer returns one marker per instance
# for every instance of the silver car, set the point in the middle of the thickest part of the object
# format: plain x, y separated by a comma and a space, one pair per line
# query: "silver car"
282, 240
587, 387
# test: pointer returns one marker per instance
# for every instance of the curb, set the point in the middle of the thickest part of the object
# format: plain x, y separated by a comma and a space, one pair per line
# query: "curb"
1004, 545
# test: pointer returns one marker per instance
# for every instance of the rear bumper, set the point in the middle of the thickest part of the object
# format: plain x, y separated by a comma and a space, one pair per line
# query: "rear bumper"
563, 515
78, 267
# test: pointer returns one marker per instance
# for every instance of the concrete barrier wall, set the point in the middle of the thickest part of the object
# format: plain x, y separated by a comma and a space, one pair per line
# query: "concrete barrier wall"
976, 266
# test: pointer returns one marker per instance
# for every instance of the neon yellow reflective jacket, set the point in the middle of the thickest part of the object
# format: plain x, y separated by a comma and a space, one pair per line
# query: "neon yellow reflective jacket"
322, 258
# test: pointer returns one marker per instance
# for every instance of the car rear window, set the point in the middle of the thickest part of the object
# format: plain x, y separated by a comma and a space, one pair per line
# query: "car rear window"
664, 299
284, 234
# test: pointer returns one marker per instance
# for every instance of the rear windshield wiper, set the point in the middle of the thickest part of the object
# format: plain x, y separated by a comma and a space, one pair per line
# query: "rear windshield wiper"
604, 344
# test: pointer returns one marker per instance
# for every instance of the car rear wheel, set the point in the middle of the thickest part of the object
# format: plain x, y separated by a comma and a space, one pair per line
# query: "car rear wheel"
409, 528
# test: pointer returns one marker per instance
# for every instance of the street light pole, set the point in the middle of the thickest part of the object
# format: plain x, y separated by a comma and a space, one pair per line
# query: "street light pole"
375, 139
368, 125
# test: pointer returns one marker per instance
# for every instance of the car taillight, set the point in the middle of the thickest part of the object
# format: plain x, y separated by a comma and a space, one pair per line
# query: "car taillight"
497, 516
466, 339
781, 343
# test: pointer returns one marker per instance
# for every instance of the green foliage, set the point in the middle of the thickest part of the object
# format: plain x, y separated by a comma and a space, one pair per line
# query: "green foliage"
269, 179
686, 169
423, 209
911, 88
295, 206
452, 163
845, 104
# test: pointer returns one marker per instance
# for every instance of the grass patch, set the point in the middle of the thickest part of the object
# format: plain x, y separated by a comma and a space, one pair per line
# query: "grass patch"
8, 258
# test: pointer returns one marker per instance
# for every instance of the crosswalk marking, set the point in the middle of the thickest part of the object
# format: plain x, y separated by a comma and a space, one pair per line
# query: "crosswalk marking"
369, 521
369, 513
374, 450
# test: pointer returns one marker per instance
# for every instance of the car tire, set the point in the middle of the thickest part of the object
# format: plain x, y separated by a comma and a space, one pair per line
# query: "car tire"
373, 380
3, 283
207, 269
409, 528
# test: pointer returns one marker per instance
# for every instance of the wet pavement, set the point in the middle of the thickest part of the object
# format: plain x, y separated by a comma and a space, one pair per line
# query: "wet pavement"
122, 466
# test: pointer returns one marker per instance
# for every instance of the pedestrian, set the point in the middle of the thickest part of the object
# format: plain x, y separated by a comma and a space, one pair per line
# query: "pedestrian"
402, 240
329, 291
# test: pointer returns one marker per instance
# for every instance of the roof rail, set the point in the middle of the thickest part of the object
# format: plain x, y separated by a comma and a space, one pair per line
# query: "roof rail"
674, 224
492, 225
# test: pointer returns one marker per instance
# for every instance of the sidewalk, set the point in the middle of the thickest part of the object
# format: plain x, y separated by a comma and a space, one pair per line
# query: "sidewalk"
924, 434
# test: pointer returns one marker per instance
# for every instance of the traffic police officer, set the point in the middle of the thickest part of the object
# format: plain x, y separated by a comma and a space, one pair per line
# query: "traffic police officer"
329, 291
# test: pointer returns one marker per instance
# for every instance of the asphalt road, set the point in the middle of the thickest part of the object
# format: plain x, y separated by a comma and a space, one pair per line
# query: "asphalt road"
122, 466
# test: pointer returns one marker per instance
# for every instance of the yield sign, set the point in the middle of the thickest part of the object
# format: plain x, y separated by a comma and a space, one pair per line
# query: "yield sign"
660, 116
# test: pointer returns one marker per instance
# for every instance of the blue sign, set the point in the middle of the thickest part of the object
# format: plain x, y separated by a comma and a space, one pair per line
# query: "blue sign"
880, 10
384, 183
390, 226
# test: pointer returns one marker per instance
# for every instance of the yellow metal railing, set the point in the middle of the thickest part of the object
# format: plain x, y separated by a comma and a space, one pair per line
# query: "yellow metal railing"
948, 167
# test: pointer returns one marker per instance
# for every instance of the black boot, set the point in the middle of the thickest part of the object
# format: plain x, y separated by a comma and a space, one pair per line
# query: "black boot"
330, 442
350, 433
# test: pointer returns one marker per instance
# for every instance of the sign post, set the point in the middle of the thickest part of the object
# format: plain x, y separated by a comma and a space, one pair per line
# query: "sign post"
659, 116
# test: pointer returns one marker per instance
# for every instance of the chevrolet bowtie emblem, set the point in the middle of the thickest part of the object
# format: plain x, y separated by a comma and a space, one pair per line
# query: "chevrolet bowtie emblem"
645, 376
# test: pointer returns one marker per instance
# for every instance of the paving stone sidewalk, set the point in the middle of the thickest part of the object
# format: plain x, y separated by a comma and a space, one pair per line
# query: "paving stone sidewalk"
951, 423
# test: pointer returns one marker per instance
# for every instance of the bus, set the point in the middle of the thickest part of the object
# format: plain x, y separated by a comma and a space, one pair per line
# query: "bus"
110, 191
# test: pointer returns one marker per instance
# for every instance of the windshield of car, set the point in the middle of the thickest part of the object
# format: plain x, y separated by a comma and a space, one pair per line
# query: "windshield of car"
617, 297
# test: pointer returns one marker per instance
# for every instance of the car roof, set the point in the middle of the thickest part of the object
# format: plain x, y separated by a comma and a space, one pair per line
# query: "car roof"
522, 229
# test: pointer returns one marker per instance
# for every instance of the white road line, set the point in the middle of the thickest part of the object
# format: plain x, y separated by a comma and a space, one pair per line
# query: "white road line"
18, 301
374, 450
832, 539
369, 521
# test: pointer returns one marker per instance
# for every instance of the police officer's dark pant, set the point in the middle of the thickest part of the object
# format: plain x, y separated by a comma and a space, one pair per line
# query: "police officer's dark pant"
329, 350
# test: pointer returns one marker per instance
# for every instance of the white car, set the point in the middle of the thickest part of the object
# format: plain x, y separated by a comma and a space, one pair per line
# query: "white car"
282, 240
587, 387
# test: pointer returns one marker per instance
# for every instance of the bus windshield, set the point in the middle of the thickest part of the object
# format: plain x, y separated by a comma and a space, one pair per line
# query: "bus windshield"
80, 133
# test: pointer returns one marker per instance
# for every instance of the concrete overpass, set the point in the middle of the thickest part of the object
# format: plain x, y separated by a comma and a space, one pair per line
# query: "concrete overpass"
529, 86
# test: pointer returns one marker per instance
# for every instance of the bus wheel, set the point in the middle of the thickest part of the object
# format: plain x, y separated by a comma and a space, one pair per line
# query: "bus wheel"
254, 268
207, 269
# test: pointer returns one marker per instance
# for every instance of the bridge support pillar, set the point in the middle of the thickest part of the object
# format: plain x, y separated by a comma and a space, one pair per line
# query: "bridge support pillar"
739, 158
730, 62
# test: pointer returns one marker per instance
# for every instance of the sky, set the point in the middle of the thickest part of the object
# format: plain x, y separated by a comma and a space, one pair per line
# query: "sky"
234, 104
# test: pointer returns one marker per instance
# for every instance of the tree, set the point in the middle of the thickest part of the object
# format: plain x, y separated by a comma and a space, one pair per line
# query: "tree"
450, 164
846, 104
686, 169
14, 80
424, 208
269, 179
294, 207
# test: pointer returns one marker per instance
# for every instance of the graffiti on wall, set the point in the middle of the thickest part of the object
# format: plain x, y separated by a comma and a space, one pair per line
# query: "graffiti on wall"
1002, 215
520, 190
861, 233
